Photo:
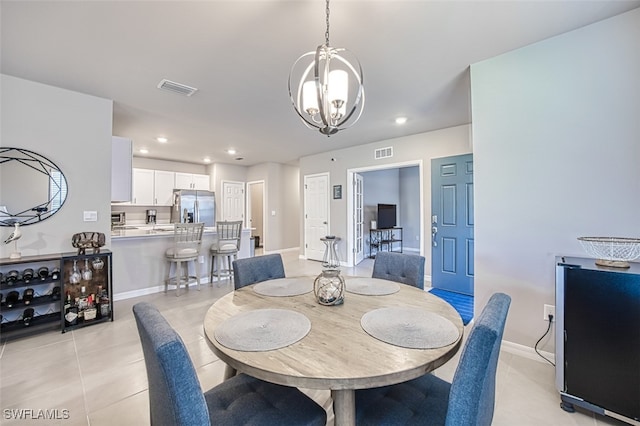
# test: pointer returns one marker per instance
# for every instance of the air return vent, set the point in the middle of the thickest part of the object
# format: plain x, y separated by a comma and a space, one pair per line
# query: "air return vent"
383, 153
174, 87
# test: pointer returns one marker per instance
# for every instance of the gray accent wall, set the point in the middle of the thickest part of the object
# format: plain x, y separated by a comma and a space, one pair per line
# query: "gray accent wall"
74, 131
556, 135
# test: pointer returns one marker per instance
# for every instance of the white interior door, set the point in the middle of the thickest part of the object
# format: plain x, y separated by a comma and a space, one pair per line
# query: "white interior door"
232, 200
358, 217
316, 214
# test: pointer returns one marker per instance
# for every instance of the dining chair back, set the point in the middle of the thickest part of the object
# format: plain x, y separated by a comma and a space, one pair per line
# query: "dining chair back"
428, 400
175, 395
399, 267
187, 239
176, 398
225, 249
256, 269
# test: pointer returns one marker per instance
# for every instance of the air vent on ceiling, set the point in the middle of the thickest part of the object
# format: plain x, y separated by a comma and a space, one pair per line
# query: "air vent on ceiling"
383, 153
174, 87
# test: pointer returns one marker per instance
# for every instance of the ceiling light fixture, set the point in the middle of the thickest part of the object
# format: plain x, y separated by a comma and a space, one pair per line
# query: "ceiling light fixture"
206, 159
144, 151
162, 139
401, 120
231, 151
328, 92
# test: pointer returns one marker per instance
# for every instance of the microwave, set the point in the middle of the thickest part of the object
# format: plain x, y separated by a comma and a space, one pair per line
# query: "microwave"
118, 219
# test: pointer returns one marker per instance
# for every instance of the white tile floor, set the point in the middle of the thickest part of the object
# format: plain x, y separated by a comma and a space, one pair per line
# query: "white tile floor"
96, 375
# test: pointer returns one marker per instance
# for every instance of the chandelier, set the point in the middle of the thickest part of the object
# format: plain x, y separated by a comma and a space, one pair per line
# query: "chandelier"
327, 92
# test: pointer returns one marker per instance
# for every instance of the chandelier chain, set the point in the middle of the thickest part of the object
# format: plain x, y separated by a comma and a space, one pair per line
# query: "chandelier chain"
326, 34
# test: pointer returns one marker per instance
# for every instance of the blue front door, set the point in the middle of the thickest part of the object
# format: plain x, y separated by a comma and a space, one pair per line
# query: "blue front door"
452, 223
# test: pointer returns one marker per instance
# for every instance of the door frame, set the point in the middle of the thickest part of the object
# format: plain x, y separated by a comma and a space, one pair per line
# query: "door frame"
247, 206
350, 206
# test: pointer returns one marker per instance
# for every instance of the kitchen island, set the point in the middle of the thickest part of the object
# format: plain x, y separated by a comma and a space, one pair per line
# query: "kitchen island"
140, 266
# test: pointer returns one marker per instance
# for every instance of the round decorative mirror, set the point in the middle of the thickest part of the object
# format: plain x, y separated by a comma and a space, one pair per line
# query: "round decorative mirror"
32, 188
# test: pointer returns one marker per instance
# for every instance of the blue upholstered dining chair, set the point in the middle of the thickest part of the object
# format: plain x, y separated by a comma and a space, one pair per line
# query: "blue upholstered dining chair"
176, 398
467, 401
256, 269
399, 267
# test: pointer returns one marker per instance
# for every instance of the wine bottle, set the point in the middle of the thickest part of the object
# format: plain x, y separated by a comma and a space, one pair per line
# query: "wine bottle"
27, 317
98, 303
55, 293
27, 275
55, 274
27, 296
43, 272
12, 299
12, 277
70, 312
105, 307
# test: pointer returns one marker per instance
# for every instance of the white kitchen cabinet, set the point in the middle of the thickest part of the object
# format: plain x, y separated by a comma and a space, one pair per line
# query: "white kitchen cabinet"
164, 182
192, 181
143, 191
121, 157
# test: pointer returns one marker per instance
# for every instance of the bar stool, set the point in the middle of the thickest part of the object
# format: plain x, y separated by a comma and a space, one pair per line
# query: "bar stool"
187, 238
225, 249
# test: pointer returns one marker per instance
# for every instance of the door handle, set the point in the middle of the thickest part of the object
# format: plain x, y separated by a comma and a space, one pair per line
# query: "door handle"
434, 231
324, 223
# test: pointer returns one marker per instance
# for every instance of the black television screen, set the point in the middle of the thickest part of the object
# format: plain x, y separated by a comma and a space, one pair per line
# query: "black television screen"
386, 216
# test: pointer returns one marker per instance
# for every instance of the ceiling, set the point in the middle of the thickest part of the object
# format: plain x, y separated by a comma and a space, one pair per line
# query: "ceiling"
415, 56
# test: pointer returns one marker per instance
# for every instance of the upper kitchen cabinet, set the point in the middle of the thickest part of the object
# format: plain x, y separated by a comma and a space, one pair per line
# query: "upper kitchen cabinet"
163, 183
143, 190
192, 181
153, 187
121, 155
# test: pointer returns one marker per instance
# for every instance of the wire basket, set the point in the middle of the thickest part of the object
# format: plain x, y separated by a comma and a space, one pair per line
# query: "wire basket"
612, 251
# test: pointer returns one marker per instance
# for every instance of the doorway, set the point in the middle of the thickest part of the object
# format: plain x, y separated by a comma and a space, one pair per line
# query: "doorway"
354, 221
256, 211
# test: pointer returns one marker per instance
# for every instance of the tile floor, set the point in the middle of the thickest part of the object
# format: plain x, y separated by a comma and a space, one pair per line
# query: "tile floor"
96, 375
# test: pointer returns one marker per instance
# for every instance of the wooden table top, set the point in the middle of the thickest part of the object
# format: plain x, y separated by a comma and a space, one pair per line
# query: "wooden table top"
337, 353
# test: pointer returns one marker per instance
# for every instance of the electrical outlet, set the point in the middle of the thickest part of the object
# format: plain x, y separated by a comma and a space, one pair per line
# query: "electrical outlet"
549, 310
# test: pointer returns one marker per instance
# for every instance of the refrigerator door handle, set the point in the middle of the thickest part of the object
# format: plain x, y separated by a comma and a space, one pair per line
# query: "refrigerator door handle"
196, 214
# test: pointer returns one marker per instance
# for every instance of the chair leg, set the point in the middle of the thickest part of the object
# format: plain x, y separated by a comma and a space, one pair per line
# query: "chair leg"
178, 277
168, 280
220, 260
195, 267
213, 259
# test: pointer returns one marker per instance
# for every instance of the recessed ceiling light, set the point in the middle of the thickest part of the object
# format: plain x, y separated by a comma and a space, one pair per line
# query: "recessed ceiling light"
401, 120
231, 151
144, 151
206, 159
162, 139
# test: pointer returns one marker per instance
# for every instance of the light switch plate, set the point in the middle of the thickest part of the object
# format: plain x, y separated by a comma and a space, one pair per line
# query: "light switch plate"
91, 216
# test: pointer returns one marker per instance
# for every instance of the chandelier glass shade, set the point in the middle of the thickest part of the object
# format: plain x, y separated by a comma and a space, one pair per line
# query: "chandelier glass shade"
326, 87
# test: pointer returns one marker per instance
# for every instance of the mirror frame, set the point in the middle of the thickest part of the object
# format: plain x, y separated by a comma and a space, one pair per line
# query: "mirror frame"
39, 164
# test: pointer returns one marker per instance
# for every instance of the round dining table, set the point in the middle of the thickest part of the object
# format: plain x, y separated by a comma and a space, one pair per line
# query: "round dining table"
336, 353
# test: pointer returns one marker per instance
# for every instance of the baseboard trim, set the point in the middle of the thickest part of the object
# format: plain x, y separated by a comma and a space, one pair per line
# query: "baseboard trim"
150, 290
526, 351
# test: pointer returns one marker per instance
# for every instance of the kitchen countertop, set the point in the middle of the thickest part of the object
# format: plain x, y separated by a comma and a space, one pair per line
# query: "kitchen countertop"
145, 231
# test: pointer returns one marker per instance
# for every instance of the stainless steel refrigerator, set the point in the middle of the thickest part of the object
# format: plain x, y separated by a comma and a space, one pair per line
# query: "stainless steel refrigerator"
193, 206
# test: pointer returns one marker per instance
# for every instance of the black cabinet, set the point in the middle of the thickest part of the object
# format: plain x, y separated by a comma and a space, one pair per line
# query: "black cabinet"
37, 292
389, 239
86, 289
598, 337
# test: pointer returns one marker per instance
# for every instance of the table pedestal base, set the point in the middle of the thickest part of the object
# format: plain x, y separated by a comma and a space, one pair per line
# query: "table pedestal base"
344, 407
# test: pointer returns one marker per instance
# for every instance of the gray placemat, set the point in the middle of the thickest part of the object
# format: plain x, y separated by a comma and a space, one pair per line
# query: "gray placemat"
371, 286
262, 330
409, 328
283, 287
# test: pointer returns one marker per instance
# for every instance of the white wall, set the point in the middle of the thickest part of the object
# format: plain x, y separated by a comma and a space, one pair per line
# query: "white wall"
556, 134
423, 146
74, 131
